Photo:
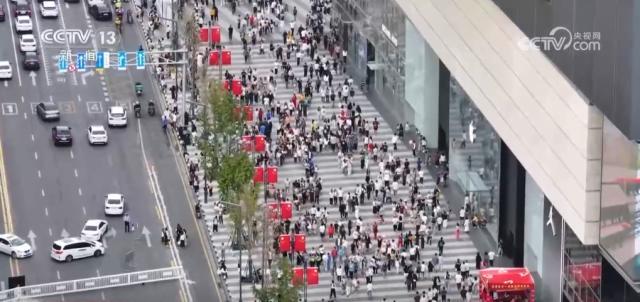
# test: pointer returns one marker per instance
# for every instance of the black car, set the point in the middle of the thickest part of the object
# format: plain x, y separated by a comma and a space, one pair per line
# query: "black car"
48, 111
1, 13
22, 7
31, 61
100, 12
61, 135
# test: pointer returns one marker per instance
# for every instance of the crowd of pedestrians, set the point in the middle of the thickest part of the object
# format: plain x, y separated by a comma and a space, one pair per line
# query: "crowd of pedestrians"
353, 249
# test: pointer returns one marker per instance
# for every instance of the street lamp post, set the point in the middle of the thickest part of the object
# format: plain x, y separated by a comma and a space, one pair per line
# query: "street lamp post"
240, 246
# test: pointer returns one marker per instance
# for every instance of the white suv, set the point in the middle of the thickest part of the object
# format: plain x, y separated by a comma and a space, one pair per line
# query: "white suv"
72, 248
117, 116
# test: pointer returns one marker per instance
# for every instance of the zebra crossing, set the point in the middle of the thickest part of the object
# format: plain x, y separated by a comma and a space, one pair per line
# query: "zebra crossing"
391, 285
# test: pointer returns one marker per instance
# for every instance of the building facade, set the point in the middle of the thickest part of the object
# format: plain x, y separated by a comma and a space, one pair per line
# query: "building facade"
534, 104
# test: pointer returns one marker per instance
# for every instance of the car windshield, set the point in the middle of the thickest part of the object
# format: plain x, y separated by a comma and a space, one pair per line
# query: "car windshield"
63, 131
50, 106
5, 67
113, 201
17, 242
90, 228
117, 114
98, 132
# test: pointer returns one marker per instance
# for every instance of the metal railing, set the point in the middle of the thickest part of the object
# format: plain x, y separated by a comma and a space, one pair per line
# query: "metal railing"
89, 284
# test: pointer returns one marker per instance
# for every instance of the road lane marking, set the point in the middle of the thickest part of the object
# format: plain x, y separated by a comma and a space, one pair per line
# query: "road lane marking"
33, 138
2, 285
35, 154
42, 192
75, 172
9, 109
50, 99
158, 213
79, 98
80, 191
39, 174
46, 212
6, 83
71, 153
22, 98
84, 210
50, 233
15, 52
25, 115
58, 274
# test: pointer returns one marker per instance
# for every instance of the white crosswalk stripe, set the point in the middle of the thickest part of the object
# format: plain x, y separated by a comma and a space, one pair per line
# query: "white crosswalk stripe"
392, 285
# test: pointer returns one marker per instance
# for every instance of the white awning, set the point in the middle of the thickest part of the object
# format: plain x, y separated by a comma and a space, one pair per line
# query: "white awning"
537, 112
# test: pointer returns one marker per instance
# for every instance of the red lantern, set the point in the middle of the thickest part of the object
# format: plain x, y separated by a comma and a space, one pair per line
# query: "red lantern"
285, 243
247, 140
261, 143
215, 34
258, 175
226, 57
298, 276
248, 113
286, 210
273, 210
312, 276
272, 174
236, 87
300, 243
204, 34
213, 58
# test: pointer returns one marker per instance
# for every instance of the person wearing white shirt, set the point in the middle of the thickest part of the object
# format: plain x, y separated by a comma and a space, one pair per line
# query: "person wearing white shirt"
394, 141
458, 278
492, 257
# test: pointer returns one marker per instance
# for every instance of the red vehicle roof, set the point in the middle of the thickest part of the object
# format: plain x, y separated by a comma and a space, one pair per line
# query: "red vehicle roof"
506, 279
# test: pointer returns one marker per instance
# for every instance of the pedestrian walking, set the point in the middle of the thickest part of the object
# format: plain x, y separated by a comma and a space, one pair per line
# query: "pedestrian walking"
127, 223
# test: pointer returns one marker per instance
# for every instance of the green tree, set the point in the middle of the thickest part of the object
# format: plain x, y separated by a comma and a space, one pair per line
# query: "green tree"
281, 290
236, 171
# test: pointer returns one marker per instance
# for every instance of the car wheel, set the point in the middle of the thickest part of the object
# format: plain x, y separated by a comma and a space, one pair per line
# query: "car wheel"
97, 253
14, 255
69, 258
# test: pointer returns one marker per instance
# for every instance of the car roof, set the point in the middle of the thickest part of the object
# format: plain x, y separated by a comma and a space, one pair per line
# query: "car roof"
117, 109
49, 105
94, 221
28, 36
114, 196
8, 236
97, 127
5, 63
67, 241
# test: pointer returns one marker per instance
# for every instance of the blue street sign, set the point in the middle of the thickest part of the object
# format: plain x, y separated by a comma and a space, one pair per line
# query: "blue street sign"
62, 63
81, 61
100, 60
106, 62
122, 60
140, 59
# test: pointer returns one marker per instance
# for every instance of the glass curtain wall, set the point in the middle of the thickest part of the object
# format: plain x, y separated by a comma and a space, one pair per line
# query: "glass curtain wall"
474, 161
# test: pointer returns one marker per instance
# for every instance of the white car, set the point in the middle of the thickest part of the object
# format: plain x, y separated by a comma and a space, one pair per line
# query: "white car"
23, 24
6, 72
28, 43
117, 116
48, 9
97, 135
94, 229
16, 247
114, 204
72, 248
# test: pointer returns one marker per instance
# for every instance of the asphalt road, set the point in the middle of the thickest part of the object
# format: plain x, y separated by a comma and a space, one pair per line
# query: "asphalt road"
54, 190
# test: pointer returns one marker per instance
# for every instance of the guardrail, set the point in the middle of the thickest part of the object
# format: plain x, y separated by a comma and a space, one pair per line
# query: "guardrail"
89, 284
